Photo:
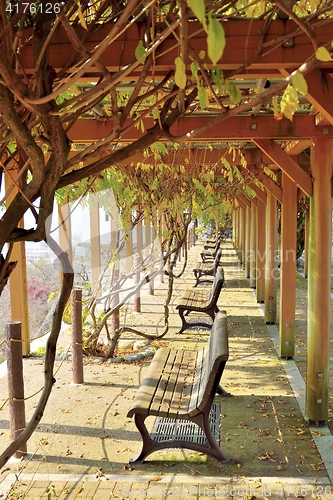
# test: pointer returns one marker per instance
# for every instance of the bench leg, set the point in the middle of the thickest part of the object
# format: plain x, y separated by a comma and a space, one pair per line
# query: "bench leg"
185, 325
210, 448
148, 444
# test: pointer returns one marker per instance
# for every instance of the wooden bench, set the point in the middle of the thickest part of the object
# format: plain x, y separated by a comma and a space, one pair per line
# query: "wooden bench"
209, 255
182, 385
201, 302
206, 268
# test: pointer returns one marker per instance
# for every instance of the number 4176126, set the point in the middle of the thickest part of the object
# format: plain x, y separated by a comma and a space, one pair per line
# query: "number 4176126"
32, 8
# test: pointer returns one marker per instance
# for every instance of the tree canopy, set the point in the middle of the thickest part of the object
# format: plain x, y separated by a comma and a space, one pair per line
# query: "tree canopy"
42, 102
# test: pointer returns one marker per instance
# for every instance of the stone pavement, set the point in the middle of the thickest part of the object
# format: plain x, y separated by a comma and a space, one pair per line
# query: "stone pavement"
66, 473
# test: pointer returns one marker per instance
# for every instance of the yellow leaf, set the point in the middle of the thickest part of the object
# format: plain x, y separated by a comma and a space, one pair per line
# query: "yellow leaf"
180, 74
156, 479
80, 14
322, 54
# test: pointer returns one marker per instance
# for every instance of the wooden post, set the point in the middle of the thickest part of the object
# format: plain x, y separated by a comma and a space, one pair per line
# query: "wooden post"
261, 251
241, 252
161, 263
95, 244
319, 282
271, 267
233, 217
247, 241
65, 230
236, 229
149, 250
18, 287
147, 236
15, 383
288, 268
77, 352
137, 298
306, 244
253, 270
129, 253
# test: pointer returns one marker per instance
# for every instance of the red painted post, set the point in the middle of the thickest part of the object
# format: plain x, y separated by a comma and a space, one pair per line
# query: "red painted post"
77, 354
15, 383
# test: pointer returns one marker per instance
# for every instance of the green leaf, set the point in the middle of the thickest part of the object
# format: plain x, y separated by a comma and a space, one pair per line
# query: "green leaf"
202, 97
202, 54
217, 77
215, 40
199, 10
233, 91
194, 69
180, 74
289, 102
140, 50
299, 83
322, 54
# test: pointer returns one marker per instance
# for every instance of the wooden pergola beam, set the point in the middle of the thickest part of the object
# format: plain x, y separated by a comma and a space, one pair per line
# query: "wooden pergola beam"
287, 164
237, 128
243, 38
320, 92
201, 155
266, 181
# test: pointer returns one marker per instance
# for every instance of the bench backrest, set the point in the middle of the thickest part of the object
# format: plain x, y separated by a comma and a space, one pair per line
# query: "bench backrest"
216, 287
211, 362
217, 260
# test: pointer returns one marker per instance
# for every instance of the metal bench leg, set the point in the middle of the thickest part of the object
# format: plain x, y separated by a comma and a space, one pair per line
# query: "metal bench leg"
148, 445
184, 322
211, 447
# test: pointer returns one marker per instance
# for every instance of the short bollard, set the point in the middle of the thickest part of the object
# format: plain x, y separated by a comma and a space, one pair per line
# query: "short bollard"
15, 383
77, 352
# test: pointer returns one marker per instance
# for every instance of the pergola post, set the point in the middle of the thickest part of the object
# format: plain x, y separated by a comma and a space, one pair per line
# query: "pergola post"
247, 240
138, 265
306, 243
271, 264
18, 287
319, 282
260, 250
236, 241
288, 268
241, 250
129, 252
253, 271
95, 244
65, 230
234, 222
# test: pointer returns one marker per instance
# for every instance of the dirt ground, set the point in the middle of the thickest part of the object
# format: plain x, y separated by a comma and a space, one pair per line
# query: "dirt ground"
85, 428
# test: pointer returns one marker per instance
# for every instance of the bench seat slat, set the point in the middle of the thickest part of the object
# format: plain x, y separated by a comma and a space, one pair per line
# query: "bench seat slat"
162, 401
151, 381
170, 371
186, 384
191, 390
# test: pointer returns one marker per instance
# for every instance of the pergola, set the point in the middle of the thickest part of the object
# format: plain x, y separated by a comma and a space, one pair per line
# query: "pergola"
300, 151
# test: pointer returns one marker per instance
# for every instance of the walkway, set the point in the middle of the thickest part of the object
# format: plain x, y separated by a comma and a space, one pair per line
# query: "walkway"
82, 448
